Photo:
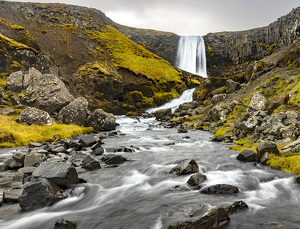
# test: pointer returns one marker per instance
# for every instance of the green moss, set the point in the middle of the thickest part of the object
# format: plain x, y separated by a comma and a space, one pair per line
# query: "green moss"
244, 143
287, 162
147, 102
2, 80
163, 97
222, 131
17, 27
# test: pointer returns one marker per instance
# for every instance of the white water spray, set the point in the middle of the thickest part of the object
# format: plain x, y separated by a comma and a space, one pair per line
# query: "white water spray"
187, 96
191, 55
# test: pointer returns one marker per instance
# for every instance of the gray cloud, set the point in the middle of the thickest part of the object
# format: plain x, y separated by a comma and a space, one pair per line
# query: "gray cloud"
191, 17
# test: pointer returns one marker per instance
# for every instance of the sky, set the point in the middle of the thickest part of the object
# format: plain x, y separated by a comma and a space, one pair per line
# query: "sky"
190, 17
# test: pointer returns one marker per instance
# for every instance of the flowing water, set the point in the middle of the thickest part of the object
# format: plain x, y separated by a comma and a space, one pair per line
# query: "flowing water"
139, 193
187, 96
191, 55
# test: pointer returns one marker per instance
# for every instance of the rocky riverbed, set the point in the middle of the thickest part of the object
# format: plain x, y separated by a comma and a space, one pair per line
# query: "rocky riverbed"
143, 175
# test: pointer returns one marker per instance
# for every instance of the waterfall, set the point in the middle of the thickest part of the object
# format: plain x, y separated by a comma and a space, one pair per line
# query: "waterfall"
187, 96
191, 55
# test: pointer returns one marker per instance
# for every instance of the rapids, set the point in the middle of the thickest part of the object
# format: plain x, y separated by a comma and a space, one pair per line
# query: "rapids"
139, 193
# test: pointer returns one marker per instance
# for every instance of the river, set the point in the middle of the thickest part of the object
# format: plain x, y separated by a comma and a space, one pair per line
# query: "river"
139, 193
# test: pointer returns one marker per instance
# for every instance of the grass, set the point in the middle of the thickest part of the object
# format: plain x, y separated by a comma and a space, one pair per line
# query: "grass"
23, 134
127, 54
288, 162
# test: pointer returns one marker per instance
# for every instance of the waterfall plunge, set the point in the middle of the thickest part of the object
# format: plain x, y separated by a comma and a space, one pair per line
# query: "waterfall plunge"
191, 55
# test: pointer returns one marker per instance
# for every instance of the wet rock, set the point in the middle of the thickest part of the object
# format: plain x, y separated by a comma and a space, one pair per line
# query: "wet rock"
12, 196
163, 114
40, 193
124, 149
110, 159
98, 151
102, 121
65, 224
75, 113
298, 180
90, 163
8, 111
257, 102
266, 146
182, 129
237, 207
220, 189
247, 155
214, 217
185, 167
217, 139
19, 157
34, 159
180, 188
61, 174
196, 180
87, 140
34, 116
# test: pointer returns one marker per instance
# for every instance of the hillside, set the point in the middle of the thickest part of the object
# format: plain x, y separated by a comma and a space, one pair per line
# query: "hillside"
94, 58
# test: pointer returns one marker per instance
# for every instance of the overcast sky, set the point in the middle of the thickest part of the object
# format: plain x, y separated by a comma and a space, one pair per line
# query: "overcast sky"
190, 17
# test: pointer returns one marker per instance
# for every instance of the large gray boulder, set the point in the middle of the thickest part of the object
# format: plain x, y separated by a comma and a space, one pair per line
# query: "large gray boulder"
40, 193
185, 167
218, 113
46, 92
34, 116
212, 218
218, 98
196, 180
163, 114
232, 86
102, 121
247, 155
266, 147
257, 102
75, 113
60, 173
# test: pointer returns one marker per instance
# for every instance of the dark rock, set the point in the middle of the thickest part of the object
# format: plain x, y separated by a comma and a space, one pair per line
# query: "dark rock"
13, 164
34, 159
220, 189
102, 121
61, 174
124, 149
65, 224
34, 144
272, 106
110, 159
90, 163
59, 149
87, 140
78, 158
180, 188
218, 98
254, 137
97, 145
34, 116
12, 196
232, 86
298, 180
75, 113
8, 111
217, 139
19, 157
182, 129
266, 146
185, 167
40, 193
247, 155
98, 151
237, 207
56, 136
212, 218
163, 114
265, 158
196, 180
75, 145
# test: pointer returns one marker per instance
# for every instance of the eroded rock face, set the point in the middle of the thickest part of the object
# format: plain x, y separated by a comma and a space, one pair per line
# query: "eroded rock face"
101, 120
212, 218
34, 116
75, 113
46, 92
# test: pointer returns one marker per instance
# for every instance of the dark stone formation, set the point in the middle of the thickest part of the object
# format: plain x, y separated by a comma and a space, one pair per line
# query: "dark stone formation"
266, 147
247, 155
237, 207
220, 189
87, 140
90, 163
185, 167
112, 159
196, 180
65, 224
40, 193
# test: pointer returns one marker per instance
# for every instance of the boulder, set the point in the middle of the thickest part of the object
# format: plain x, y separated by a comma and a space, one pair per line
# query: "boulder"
182, 129
292, 131
8, 111
266, 146
218, 138
19, 156
214, 217
218, 98
98, 151
163, 114
40, 193
64, 224
232, 86
220, 189
185, 167
11, 163
75, 113
112, 159
33, 116
237, 207
218, 113
247, 155
12, 196
257, 102
196, 180
59, 173
14, 81
47, 93
34, 159
101, 120
87, 140
90, 163
265, 158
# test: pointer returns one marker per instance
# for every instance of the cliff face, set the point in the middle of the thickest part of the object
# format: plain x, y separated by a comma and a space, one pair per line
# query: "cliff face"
227, 48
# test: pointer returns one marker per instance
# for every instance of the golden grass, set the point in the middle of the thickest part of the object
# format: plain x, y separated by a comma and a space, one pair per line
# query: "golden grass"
287, 162
23, 134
